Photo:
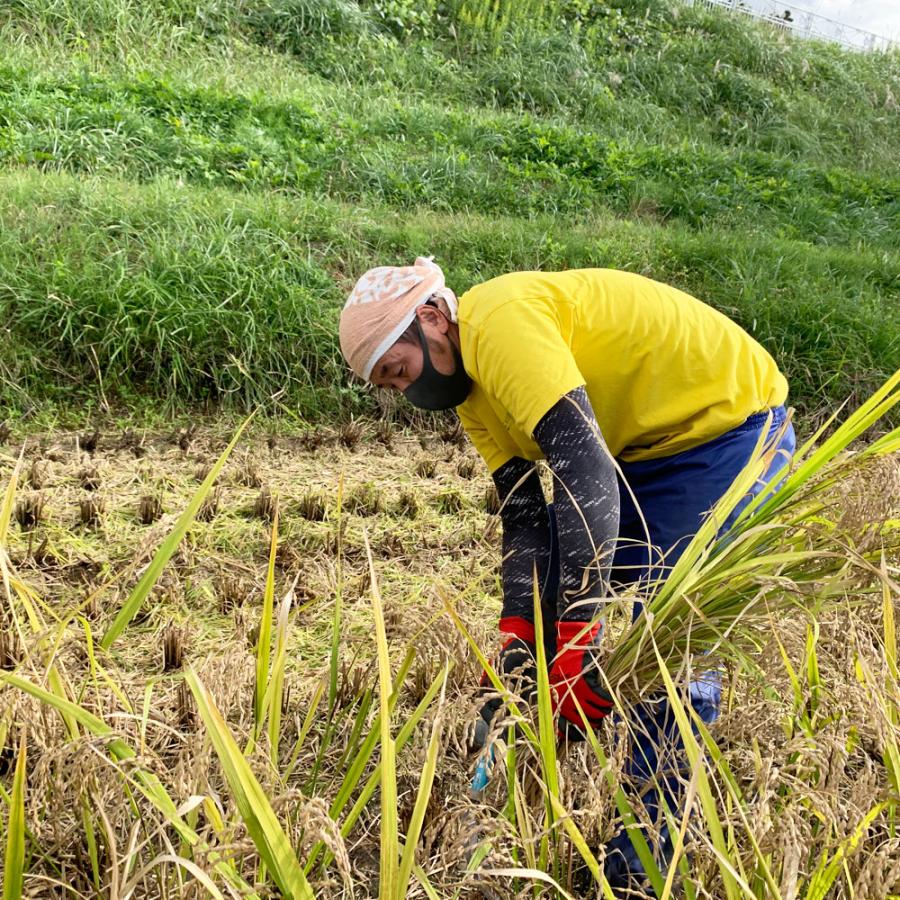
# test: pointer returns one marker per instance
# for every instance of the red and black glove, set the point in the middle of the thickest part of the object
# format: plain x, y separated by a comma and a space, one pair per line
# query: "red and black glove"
575, 675
515, 664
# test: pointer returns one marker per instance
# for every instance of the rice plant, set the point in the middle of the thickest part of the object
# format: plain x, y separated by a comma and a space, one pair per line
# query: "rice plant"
332, 738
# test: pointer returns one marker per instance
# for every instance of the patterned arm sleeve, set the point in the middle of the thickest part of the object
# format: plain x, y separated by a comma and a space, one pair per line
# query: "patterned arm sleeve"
526, 543
585, 501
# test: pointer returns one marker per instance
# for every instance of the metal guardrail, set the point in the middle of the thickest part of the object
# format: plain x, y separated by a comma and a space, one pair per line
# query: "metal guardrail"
803, 24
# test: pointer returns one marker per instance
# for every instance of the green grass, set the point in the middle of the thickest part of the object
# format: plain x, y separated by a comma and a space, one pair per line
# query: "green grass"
139, 292
187, 193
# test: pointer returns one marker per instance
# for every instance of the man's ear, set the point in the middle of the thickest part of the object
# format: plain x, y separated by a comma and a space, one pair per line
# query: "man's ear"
434, 317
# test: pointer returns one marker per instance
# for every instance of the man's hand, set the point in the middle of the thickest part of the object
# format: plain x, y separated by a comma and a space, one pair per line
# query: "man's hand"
515, 664
575, 676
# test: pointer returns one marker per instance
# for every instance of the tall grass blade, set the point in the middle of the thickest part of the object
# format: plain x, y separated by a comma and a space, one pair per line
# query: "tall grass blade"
14, 857
9, 498
264, 643
827, 871
422, 797
547, 748
389, 875
891, 754
168, 546
733, 790
256, 812
351, 779
707, 799
275, 689
352, 776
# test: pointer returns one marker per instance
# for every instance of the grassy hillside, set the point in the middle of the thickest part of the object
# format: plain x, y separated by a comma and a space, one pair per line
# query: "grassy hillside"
187, 192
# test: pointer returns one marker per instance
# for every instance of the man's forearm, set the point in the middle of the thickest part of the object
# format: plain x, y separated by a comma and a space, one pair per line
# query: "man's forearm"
586, 503
526, 541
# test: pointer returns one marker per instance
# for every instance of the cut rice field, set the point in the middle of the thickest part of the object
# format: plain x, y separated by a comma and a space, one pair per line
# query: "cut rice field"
247, 666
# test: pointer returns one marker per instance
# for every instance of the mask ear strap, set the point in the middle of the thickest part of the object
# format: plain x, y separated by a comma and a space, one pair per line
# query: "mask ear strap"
423, 343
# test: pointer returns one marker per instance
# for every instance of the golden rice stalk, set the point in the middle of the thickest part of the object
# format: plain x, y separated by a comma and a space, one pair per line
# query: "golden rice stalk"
827, 871
147, 782
274, 698
422, 797
723, 590
358, 766
704, 789
256, 812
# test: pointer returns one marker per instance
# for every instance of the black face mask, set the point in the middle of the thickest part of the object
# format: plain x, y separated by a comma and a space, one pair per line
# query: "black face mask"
433, 390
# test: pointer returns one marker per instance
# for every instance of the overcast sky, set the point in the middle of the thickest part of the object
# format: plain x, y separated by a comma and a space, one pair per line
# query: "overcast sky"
880, 16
